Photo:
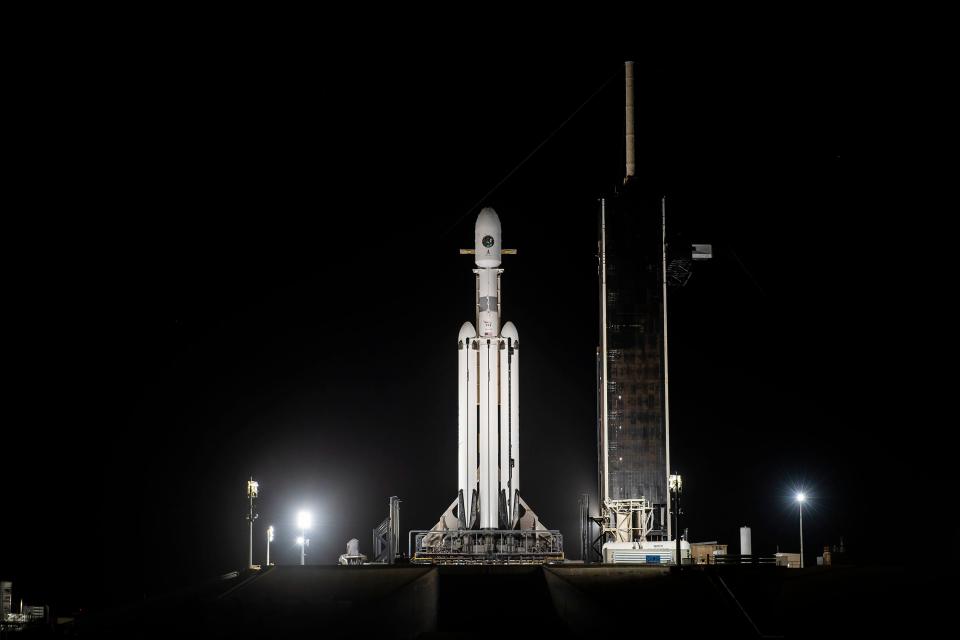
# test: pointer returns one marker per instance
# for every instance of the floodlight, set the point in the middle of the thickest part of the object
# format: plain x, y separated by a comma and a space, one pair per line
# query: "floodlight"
676, 483
801, 498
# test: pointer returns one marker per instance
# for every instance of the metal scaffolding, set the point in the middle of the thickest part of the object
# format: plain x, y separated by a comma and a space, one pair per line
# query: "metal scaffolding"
386, 535
486, 546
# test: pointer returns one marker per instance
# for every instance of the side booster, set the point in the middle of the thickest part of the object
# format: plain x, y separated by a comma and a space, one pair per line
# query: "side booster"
489, 408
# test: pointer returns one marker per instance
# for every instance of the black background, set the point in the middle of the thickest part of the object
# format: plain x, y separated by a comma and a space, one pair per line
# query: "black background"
228, 257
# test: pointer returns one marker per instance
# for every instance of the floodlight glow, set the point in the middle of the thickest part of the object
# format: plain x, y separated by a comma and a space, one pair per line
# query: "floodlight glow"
300, 540
304, 520
252, 488
801, 497
270, 533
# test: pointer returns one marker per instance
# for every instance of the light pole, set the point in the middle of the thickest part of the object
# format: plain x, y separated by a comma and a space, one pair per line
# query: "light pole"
801, 498
253, 488
304, 520
269, 540
676, 486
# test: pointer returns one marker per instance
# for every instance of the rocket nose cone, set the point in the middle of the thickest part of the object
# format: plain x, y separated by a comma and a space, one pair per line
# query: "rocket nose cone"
487, 238
488, 216
509, 330
467, 331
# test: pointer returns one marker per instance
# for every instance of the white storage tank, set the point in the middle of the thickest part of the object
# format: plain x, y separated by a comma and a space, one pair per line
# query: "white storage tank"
746, 545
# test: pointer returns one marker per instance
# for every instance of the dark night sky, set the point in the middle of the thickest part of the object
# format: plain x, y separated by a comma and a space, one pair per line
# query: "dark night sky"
247, 263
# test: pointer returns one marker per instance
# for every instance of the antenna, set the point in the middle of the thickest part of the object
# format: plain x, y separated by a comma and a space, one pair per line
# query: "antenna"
631, 154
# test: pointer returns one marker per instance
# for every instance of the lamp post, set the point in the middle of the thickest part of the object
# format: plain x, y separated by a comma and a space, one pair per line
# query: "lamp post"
676, 486
304, 520
253, 488
269, 540
801, 498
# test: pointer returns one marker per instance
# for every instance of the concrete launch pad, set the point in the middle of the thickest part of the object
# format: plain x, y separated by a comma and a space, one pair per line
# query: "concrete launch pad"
403, 601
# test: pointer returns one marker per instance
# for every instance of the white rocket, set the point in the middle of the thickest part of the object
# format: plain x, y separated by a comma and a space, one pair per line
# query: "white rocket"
488, 461
487, 380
